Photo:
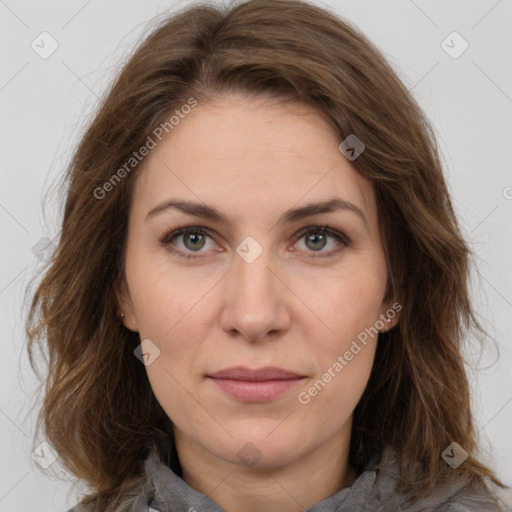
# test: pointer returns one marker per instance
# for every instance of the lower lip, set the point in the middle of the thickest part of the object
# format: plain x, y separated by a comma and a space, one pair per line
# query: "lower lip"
256, 391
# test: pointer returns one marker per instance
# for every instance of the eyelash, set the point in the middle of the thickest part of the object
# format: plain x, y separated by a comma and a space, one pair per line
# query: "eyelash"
166, 239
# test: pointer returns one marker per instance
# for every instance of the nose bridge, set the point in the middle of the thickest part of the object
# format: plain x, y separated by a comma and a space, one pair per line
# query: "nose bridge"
253, 279
253, 298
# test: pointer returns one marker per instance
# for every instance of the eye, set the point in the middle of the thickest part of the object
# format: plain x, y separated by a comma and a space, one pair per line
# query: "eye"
193, 239
316, 239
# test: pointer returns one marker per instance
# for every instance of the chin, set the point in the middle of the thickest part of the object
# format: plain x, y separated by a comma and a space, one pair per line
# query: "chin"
265, 450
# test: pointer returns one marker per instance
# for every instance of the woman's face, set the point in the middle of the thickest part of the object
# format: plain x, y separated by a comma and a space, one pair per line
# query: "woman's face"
258, 285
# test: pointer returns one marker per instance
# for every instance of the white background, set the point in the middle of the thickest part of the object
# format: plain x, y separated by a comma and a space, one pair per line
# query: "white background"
46, 102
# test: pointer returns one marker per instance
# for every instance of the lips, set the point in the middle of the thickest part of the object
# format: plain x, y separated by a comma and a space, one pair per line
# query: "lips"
259, 385
266, 373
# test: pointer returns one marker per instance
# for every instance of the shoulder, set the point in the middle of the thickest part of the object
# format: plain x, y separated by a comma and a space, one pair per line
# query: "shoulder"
471, 499
458, 496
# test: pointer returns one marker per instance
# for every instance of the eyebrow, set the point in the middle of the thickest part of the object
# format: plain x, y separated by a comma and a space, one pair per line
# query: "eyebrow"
292, 215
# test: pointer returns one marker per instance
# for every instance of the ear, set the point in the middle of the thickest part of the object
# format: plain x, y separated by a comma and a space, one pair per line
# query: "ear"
389, 315
125, 306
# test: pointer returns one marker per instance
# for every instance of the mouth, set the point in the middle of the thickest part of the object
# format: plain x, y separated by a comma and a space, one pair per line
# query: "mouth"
258, 385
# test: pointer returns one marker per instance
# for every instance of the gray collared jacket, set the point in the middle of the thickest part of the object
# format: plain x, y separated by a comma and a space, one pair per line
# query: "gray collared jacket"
161, 490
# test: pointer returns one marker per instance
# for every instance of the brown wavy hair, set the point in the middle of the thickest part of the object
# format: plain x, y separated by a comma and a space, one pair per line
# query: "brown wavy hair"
99, 411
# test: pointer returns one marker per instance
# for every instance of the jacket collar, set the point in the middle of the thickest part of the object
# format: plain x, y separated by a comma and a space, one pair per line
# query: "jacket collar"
375, 489
167, 492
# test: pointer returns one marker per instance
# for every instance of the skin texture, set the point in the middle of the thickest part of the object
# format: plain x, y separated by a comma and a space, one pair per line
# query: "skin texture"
252, 160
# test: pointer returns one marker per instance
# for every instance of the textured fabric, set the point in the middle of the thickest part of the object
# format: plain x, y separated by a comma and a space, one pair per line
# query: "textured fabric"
161, 490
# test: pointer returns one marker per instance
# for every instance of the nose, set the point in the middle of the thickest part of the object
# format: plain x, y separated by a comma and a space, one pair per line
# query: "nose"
255, 300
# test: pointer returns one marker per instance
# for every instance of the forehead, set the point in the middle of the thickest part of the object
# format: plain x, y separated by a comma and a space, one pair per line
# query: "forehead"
250, 155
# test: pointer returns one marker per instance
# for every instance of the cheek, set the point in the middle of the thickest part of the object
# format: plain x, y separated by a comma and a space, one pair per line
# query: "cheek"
160, 296
345, 358
348, 305
167, 316
349, 302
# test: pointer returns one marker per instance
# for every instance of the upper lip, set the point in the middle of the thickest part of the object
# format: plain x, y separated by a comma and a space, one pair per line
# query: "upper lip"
265, 373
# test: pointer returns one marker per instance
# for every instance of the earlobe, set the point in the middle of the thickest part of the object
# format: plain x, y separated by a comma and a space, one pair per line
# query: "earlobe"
388, 324
383, 324
129, 321
126, 312
390, 317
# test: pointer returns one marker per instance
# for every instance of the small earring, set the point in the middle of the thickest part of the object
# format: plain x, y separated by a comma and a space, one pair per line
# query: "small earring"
388, 320
122, 315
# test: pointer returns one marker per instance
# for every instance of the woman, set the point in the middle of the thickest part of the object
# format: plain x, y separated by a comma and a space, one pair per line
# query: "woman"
260, 293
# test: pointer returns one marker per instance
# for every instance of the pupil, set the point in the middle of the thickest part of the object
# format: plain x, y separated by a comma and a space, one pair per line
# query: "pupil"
196, 239
316, 238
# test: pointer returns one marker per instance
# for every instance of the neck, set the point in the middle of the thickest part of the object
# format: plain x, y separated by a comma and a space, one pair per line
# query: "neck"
285, 488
